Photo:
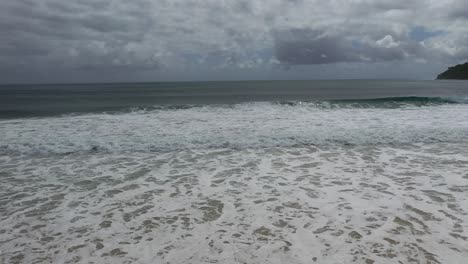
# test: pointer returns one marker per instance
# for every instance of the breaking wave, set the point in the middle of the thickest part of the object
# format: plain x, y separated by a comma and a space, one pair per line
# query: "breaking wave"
403, 120
386, 102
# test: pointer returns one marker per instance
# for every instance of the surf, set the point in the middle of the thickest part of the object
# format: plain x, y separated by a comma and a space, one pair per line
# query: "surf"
240, 126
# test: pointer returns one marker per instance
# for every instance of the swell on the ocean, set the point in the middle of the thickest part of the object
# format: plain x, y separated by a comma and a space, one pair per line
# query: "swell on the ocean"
379, 102
384, 102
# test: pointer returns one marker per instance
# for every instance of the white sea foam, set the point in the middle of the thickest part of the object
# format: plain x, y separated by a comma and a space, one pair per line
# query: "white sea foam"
237, 126
334, 204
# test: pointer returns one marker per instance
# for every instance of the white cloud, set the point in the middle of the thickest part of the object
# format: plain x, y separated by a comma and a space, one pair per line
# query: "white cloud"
387, 42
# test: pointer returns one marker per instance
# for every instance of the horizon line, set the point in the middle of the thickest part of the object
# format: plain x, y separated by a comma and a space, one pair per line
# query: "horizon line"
210, 81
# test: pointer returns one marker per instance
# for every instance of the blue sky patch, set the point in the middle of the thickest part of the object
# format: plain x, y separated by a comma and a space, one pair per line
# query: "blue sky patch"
420, 33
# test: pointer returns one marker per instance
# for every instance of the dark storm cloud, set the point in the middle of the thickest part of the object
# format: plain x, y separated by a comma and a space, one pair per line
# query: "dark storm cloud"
306, 46
460, 13
303, 46
455, 10
119, 36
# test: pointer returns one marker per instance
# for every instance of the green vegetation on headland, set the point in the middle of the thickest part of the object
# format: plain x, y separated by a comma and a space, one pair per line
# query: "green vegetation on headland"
458, 72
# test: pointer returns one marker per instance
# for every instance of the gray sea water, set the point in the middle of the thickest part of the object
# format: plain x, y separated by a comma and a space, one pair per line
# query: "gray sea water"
346, 171
48, 100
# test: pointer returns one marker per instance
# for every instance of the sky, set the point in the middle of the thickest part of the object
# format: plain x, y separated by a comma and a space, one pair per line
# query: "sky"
185, 40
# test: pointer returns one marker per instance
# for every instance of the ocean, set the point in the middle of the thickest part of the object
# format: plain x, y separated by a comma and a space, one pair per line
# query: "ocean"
346, 171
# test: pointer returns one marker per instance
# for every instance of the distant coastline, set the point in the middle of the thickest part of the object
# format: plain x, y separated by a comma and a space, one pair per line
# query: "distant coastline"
458, 72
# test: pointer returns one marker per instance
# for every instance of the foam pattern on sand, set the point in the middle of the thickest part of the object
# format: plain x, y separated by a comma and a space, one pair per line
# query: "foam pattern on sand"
335, 204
